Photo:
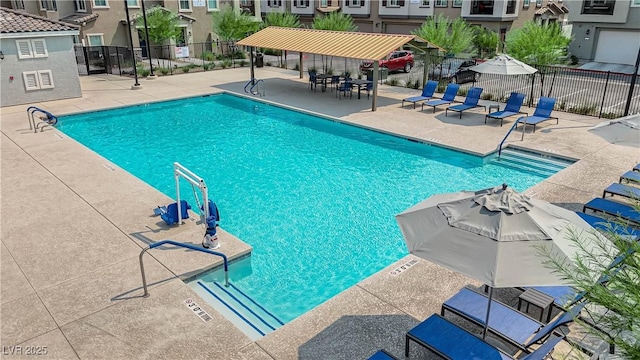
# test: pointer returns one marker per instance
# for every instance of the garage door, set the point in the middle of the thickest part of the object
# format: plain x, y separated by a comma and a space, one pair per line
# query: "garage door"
610, 51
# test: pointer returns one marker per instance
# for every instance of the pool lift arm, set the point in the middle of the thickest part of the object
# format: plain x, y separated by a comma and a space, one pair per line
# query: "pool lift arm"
181, 171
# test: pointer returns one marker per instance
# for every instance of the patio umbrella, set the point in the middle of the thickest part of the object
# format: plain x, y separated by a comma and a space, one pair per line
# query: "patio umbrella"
623, 131
503, 65
492, 235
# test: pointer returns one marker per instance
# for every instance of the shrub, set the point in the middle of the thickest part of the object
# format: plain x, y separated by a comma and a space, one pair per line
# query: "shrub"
296, 67
208, 56
164, 71
239, 55
206, 67
226, 63
574, 59
393, 81
462, 91
586, 109
186, 69
610, 115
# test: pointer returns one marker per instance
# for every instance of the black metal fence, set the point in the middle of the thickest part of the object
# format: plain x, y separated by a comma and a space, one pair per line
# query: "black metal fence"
585, 92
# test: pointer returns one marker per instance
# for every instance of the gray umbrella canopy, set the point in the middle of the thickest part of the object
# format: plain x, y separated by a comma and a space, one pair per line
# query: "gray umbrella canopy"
503, 65
492, 235
624, 131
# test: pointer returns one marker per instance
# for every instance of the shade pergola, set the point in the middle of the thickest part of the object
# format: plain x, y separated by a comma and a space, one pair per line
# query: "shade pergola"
354, 45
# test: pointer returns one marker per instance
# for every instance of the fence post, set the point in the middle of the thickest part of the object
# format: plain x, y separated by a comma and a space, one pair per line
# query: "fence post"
118, 60
533, 81
86, 58
604, 93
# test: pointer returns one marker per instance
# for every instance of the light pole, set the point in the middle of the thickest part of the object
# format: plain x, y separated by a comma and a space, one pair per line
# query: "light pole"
146, 33
133, 55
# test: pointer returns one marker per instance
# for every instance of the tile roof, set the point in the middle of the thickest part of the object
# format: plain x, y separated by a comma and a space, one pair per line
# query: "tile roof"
12, 21
134, 17
78, 19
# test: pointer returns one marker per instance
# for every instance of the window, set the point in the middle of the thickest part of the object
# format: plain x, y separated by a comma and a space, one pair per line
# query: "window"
301, 3
95, 39
274, 3
457, 3
538, 3
34, 48
49, 5
635, 3
393, 3
184, 5
36, 80
212, 5
526, 3
17, 4
482, 7
511, 7
324, 3
80, 5
598, 7
441, 3
425, 3
355, 3
133, 3
100, 3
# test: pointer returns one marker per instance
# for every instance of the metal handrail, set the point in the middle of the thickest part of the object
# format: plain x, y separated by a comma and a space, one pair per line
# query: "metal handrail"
509, 133
188, 246
257, 83
51, 119
251, 82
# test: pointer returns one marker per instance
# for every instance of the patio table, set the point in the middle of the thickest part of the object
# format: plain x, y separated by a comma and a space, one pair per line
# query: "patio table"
360, 83
324, 78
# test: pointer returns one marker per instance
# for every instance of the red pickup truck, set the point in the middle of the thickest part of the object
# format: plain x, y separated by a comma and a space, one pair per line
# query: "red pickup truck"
396, 61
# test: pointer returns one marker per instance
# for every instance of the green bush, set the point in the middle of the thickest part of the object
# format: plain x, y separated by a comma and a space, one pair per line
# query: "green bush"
208, 56
242, 63
226, 63
393, 82
583, 109
164, 71
462, 91
206, 67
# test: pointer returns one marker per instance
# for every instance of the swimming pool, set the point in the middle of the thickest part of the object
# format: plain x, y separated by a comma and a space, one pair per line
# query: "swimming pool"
315, 198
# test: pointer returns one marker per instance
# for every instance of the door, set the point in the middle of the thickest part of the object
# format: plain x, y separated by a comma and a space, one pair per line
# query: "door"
617, 47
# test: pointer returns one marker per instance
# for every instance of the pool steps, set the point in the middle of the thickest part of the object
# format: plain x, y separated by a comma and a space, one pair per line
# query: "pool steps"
236, 306
542, 166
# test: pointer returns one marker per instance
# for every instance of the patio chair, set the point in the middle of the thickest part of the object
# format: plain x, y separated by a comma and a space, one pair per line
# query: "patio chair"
599, 223
344, 87
630, 176
622, 190
314, 80
335, 80
470, 102
514, 103
427, 94
542, 112
369, 87
382, 354
516, 328
170, 216
450, 341
636, 168
613, 208
448, 97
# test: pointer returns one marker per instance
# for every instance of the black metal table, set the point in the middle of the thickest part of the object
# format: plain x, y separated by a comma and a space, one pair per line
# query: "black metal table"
536, 298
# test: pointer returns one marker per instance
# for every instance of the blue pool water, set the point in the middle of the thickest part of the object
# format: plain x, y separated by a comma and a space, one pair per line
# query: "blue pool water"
316, 199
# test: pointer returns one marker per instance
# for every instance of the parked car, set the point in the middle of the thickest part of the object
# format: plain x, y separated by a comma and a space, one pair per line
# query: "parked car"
396, 61
454, 70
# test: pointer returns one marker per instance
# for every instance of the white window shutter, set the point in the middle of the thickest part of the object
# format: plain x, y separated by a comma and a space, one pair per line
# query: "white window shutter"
31, 80
46, 79
39, 48
24, 49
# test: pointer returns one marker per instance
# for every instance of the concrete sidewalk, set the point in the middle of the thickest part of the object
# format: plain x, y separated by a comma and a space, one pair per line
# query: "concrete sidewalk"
73, 225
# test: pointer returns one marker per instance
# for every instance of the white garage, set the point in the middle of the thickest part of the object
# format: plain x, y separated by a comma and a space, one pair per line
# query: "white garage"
618, 46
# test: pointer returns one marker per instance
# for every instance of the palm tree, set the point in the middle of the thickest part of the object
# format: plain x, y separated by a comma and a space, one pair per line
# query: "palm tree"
284, 19
455, 36
335, 21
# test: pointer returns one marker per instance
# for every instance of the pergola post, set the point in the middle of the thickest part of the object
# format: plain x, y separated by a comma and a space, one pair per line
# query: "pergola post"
376, 71
301, 56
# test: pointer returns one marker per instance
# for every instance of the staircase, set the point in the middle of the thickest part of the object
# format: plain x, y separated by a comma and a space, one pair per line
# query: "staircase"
236, 306
530, 162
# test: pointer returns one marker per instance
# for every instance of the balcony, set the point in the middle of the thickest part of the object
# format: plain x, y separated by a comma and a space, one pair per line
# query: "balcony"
598, 7
490, 10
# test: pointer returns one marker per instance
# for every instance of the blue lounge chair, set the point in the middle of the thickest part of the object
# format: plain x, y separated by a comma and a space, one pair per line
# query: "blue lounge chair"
450, 341
606, 225
622, 190
636, 168
470, 102
171, 215
511, 325
382, 355
542, 113
613, 208
514, 103
427, 94
448, 97
630, 176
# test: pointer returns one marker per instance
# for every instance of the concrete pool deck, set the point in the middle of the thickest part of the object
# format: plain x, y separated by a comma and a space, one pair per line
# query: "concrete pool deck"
73, 225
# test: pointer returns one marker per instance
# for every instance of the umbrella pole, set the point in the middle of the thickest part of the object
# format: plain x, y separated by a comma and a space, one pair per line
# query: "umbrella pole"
486, 321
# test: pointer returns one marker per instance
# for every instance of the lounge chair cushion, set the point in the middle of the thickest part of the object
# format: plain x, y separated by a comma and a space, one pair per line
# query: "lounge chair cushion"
630, 176
622, 190
501, 114
613, 208
427, 93
382, 355
451, 341
606, 225
534, 120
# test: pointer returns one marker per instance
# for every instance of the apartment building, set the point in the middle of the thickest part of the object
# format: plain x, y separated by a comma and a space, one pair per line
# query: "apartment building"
605, 31
403, 16
104, 22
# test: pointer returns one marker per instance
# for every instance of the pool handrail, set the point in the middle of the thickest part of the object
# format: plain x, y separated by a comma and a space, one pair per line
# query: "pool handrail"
509, 133
51, 119
257, 85
188, 246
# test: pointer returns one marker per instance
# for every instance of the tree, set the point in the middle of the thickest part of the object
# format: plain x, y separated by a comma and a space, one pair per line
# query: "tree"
335, 21
284, 19
456, 36
162, 25
485, 42
538, 44
231, 25
619, 296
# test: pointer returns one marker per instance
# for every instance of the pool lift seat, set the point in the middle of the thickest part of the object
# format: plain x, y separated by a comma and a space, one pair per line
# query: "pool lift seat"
174, 213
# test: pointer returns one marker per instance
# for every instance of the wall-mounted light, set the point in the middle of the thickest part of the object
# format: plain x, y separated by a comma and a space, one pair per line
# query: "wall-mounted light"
588, 32
1, 55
